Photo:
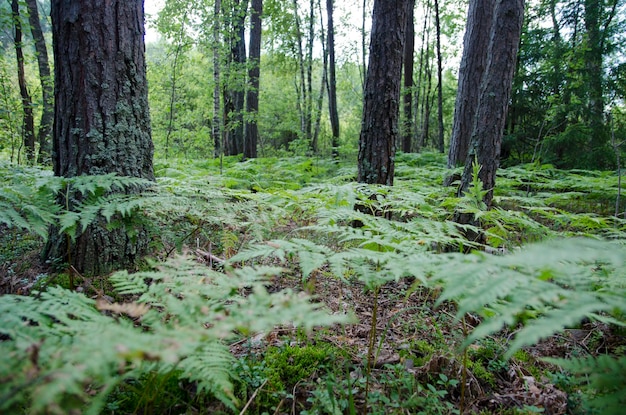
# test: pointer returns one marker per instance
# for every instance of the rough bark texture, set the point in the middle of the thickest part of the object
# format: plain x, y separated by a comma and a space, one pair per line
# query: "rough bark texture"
28, 121
409, 49
234, 89
494, 95
473, 63
379, 128
47, 87
102, 121
332, 80
252, 99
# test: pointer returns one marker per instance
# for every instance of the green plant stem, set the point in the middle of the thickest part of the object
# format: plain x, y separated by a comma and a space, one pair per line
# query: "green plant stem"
372, 342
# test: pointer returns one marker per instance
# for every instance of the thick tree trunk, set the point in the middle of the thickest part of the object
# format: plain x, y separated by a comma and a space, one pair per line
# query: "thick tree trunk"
102, 122
409, 47
332, 80
494, 96
473, 63
381, 107
252, 99
47, 86
28, 121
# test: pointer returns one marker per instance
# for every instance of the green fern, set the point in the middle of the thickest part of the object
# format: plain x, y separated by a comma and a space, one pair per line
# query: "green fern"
68, 351
602, 379
547, 287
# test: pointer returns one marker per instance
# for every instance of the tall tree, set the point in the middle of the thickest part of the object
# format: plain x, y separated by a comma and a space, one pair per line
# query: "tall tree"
102, 119
332, 79
494, 94
379, 127
216, 127
473, 63
234, 85
440, 143
254, 71
407, 98
28, 124
45, 78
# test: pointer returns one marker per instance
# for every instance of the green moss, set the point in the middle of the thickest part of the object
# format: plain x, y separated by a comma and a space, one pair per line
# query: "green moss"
289, 365
481, 373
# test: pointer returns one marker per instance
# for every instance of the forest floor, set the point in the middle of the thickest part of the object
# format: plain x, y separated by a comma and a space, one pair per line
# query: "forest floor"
404, 353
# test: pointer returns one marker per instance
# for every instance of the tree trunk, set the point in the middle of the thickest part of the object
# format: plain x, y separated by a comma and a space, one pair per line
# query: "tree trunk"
234, 89
409, 46
102, 121
218, 140
47, 86
332, 80
28, 121
473, 62
252, 99
494, 96
440, 141
379, 128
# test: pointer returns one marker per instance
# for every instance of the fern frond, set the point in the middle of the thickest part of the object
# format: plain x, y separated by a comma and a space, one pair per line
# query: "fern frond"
547, 287
603, 381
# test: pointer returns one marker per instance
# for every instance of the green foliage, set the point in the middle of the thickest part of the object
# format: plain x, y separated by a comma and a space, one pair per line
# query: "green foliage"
547, 287
28, 195
68, 351
602, 380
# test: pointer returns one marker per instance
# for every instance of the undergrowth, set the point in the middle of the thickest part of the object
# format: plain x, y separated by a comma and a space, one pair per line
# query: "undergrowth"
186, 334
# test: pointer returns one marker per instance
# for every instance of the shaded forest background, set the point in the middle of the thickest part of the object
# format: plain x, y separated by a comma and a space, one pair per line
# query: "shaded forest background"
567, 105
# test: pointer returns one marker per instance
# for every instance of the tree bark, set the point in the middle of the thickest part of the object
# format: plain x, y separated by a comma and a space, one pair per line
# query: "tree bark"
409, 49
493, 99
473, 62
102, 120
379, 127
440, 140
216, 128
28, 120
254, 72
47, 87
234, 89
332, 80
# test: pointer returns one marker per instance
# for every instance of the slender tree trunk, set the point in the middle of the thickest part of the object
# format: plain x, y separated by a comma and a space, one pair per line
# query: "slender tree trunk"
102, 120
323, 85
332, 80
473, 62
363, 46
172, 110
302, 86
409, 49
379, 128
234, 88
28, 120
218, 141
47, 86
440, 141
254, 71
419, 93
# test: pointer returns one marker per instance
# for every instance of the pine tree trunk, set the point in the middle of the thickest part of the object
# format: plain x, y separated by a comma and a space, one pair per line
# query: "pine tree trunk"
332, 80
102, 122
495, 91
409, 46
47, 86
28, 120
473, 63
252, 99
381, 107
